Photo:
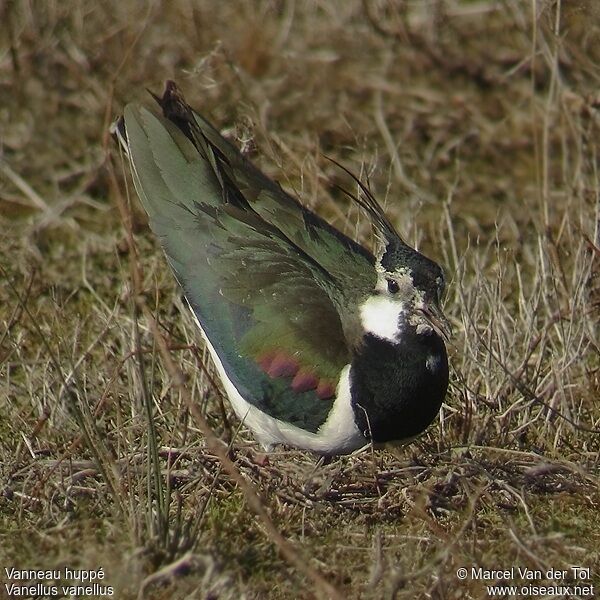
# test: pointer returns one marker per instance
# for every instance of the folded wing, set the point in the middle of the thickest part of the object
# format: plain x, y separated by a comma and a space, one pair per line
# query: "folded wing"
267, 279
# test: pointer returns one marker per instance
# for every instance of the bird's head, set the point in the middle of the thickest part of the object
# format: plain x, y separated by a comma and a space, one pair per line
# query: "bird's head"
409, 286
407, 295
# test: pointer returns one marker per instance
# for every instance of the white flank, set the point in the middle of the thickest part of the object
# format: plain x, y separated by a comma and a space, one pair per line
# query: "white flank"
380, 315
338, 435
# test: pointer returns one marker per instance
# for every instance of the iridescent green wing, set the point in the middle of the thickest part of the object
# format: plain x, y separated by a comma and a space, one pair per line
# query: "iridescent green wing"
266, 303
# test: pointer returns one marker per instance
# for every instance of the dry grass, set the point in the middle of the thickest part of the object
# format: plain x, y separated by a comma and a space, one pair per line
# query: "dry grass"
477, 123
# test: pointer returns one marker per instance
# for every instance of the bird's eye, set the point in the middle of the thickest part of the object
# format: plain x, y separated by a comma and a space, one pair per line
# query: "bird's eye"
393, 286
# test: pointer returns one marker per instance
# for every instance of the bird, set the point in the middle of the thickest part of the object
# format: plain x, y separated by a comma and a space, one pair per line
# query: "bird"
320, 343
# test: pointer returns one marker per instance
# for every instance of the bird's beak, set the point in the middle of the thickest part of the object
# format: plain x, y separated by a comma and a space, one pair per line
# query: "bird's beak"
433, 313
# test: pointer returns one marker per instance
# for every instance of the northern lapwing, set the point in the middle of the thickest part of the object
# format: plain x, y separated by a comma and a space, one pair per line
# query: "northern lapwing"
320, 344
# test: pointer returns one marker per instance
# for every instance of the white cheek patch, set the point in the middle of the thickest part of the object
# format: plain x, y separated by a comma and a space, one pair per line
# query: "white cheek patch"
380, 315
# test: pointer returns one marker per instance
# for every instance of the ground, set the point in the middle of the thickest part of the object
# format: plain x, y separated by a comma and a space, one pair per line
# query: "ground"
477, 124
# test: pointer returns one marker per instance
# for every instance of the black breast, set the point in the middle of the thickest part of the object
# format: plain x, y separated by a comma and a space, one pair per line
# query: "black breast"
397, 389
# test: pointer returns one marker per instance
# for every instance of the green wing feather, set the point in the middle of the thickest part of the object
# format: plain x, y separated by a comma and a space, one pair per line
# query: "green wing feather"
269, 281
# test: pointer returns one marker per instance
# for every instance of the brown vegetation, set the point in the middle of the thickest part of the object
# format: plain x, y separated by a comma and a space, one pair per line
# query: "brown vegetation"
476, 123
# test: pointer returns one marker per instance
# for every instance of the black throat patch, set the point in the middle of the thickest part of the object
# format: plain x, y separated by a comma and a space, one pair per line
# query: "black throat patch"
397, 389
